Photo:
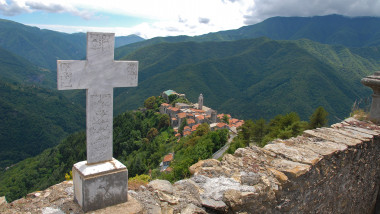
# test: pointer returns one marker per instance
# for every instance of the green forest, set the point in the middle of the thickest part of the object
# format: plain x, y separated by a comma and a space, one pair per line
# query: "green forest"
33, 119
141, 139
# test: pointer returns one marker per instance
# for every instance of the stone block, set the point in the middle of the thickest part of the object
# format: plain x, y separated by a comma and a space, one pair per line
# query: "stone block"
100, 185
3, 200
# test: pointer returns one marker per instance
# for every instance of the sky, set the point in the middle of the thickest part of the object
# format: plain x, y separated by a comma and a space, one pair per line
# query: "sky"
152, 18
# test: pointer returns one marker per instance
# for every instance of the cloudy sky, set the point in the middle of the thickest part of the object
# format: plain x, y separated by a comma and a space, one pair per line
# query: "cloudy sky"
151, 18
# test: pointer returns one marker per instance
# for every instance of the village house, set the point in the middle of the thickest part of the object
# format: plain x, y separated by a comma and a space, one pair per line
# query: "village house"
164, 165
167, 93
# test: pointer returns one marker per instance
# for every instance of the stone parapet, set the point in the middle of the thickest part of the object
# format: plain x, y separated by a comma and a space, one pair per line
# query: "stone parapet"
333, 170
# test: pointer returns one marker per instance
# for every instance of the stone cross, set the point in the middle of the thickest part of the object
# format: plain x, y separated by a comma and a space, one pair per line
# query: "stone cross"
98, 74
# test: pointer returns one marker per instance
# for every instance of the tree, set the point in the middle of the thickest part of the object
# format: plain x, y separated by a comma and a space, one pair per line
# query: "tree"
152, 133
246, 131
259, 130
182, 126
202, 129
164, 121
318, 118
172, 98
226, 119
150, 102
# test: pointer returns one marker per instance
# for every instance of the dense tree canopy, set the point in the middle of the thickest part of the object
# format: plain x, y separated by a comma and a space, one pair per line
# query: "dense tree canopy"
286, 126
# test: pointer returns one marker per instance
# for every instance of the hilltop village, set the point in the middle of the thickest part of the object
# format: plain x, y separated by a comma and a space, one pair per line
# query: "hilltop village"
195, 114
191, 116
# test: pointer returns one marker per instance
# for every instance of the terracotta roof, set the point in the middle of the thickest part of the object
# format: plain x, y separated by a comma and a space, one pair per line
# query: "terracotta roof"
173, 108
181, 115
190, 121
234, 120
186, 133
220, 116
187, 128
221, 125
173, 118
239, 124
197, 110
178, 135
195, 127
200, 117
166, 104
168, 157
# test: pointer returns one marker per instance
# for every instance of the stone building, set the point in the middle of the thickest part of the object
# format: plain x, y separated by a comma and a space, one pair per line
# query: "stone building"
167, 93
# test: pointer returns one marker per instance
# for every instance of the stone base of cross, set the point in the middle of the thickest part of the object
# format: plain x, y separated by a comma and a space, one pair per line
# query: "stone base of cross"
100, 181
100, 185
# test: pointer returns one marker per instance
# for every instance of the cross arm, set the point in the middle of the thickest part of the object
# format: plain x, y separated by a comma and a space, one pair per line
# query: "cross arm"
69, 74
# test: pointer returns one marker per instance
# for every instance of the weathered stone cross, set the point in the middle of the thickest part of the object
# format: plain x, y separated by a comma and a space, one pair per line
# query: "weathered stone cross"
99, 74
100, 181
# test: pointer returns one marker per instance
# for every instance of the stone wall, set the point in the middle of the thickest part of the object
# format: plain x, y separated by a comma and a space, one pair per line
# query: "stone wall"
334, 170
327, 170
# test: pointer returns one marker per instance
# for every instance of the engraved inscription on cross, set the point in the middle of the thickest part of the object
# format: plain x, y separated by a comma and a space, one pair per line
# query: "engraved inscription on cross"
98, 74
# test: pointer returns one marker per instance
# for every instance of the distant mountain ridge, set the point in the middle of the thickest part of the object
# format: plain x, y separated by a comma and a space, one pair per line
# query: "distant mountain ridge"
44, 47
331, 29
255, 78
247, 77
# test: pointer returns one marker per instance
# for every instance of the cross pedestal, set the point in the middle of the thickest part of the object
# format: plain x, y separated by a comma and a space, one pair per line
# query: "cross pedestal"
100, 181
373, 81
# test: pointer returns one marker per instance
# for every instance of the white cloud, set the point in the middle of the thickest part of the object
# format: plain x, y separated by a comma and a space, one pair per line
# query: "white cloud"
264, 9
187, 17
12, 8
15, 7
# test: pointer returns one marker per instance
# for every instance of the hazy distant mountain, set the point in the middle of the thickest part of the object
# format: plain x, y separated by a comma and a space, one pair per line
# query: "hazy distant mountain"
331, 29
126, 40
44, 47
41, 47
255, 78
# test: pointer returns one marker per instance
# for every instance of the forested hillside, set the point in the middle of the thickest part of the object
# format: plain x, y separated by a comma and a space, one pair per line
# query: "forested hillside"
32, 120
33, 117
331, 29
255, 78
141, 139
15, 69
